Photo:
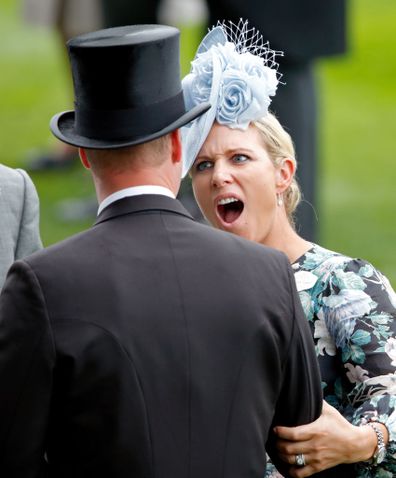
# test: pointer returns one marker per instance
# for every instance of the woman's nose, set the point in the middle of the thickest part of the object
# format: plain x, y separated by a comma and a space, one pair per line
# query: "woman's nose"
221, 175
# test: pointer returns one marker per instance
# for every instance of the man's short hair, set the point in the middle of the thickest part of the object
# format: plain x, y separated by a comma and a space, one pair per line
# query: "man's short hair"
150, 154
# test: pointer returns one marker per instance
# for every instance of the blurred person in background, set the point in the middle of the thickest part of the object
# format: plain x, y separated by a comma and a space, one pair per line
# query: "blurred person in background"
19, 218
124, 12
242, 163
69, 18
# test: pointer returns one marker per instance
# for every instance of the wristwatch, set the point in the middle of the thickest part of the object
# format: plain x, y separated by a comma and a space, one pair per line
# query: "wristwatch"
380, 451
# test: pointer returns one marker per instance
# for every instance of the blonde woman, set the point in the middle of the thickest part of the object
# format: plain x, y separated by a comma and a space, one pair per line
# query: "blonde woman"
243, 166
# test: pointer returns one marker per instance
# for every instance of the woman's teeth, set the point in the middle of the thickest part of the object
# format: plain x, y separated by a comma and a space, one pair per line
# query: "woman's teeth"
227, 201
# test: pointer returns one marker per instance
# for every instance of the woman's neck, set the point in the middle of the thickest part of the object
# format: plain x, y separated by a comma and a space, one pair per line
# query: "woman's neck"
286, 239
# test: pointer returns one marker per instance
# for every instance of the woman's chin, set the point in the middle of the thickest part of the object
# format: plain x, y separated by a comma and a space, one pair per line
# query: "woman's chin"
227, 225
238, 227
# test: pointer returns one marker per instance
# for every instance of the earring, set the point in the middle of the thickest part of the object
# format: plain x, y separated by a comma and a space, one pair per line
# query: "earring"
279, 200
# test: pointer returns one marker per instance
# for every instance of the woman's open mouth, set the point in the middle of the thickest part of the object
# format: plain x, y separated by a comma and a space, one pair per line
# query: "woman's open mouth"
229, 209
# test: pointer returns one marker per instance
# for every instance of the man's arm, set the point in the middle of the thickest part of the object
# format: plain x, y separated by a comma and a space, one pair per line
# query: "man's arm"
26, 363
300, 399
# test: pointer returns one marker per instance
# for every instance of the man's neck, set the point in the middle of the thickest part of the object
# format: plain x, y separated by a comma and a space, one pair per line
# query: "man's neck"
118, 182
134, 191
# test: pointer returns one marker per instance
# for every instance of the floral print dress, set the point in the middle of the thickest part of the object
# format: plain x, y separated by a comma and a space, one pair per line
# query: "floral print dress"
351, 309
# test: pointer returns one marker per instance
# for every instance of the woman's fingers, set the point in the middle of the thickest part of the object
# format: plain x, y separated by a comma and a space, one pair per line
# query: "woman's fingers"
292, 459
299, 471
309, 431
286, 447
301, 433
302, 472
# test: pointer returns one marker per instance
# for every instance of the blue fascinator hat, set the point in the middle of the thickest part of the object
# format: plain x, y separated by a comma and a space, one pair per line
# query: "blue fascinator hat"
236, 72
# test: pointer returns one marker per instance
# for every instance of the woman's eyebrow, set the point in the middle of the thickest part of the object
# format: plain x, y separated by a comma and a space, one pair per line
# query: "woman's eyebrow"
239, 150
226, 152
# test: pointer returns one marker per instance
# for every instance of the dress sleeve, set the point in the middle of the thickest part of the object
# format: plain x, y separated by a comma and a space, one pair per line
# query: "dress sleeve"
359, 309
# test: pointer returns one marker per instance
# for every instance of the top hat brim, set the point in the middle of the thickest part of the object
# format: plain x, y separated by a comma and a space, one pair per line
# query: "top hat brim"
63, 127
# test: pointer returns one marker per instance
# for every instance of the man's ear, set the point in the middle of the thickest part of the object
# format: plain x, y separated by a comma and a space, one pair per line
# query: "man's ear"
84, 158
176, 146
284, 175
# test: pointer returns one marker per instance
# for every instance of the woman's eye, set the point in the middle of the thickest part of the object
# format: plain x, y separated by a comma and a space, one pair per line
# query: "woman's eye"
203, 165
240, 158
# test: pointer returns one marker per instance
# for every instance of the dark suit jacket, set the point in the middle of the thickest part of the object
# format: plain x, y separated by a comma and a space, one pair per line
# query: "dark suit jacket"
150, 346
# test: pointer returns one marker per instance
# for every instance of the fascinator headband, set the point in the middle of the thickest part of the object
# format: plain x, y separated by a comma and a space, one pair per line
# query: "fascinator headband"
236, 72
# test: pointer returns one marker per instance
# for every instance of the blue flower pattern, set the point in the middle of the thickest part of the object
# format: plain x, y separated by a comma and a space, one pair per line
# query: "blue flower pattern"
351, 309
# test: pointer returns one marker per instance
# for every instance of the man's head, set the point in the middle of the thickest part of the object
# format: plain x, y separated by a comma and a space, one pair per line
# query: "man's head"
157, 162
127, 89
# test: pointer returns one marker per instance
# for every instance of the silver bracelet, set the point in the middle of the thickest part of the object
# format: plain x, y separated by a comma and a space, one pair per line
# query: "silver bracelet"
380, 451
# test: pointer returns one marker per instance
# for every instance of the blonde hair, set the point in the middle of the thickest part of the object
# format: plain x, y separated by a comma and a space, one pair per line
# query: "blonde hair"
279, 146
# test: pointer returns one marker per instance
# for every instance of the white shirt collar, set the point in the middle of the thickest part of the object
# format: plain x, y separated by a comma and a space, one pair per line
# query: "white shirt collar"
134, 191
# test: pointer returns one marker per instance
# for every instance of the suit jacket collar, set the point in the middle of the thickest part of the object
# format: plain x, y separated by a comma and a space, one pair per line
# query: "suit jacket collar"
141, 204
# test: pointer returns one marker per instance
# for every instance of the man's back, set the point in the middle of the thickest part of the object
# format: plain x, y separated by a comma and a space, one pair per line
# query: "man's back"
160, 346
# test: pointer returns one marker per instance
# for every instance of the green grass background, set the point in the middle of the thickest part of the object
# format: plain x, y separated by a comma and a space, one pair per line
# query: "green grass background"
357, 97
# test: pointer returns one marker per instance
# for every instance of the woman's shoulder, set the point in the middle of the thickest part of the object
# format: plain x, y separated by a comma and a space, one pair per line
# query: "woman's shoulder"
343, 290
322, 272
316, 267
325, 262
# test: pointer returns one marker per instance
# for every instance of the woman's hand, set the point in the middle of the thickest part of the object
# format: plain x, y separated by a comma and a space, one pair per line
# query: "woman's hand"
325, 443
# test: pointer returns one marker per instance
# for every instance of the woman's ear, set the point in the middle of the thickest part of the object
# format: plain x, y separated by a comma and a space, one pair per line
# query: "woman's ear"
84, 158
284, 175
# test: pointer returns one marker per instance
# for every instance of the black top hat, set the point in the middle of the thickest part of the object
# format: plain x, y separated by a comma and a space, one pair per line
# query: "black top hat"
127, 88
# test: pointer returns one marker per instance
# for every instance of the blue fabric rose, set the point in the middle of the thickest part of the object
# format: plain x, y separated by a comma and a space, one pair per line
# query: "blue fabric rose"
245, 86
235, 100
243, 97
